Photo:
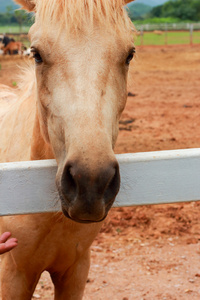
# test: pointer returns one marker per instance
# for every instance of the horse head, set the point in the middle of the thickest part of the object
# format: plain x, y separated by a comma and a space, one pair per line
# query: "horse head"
82, 50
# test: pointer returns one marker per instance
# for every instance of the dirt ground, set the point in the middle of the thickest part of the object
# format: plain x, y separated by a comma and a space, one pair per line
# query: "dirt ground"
148, 252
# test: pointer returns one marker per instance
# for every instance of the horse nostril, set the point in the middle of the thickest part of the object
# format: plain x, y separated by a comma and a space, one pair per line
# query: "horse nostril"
68, 182
113, 186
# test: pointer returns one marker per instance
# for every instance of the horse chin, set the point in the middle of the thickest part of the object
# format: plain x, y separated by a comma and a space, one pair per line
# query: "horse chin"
79, 220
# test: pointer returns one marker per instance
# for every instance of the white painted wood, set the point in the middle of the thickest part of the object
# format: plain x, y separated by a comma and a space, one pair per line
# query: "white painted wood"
28, 187
146, 178
159, 177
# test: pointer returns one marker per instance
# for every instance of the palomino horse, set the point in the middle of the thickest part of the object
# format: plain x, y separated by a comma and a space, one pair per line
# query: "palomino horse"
67, 108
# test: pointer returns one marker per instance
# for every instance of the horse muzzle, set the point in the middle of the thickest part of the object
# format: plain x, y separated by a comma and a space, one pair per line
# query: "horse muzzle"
87, 194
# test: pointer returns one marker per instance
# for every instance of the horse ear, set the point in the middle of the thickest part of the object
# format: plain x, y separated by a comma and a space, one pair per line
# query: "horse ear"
28, 5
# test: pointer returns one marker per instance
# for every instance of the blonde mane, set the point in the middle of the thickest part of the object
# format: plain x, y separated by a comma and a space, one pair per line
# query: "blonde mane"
27, 81
76, 15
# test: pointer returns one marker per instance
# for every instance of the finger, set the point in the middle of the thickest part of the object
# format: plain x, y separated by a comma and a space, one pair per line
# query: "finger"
4, 237
11, 241
9, 245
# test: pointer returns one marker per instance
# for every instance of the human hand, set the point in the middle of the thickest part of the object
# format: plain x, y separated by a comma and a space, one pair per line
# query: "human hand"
7, 244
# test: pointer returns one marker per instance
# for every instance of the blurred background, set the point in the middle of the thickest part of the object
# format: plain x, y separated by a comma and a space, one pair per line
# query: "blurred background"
162, 22
158, 22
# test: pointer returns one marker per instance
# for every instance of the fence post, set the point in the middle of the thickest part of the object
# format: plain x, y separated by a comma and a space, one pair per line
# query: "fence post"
141, 36
191, 34
166, 34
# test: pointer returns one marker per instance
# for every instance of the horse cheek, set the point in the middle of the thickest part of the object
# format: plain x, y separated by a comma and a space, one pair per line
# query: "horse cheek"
42, 116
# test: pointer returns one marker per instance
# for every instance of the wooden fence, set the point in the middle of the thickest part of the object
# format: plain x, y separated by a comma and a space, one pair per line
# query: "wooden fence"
168, 35
146, 178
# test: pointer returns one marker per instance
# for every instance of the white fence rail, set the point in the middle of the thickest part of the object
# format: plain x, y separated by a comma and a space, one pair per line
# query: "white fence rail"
169, 26
146, 178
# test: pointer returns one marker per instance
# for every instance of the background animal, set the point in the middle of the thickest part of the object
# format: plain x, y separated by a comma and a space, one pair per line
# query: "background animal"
10, 46
158, 32
13, 48
6, 40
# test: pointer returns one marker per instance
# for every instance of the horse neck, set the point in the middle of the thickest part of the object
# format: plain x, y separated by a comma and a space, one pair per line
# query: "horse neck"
39, 148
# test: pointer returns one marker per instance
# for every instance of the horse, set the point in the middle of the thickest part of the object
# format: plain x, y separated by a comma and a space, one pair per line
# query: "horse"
66, 108
13, 48
6, 40
10, 46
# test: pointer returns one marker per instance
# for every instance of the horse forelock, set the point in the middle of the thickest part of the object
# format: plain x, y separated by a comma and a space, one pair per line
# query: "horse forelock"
78, 14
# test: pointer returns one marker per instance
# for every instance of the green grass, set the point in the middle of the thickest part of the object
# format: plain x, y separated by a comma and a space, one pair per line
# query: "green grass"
9, 29
14, 83
158, 21
173, 38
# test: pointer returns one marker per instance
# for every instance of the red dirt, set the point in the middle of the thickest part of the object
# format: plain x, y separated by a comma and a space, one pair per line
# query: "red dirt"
149, 252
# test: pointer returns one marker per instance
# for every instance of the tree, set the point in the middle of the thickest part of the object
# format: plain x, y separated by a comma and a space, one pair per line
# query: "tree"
156, 11
21, 17
183, 10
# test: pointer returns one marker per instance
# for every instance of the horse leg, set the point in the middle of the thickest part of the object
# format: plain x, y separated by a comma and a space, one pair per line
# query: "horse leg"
71, 284
16, 284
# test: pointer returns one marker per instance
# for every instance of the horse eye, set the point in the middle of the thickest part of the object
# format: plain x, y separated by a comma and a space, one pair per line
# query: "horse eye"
130, 56
37, 56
